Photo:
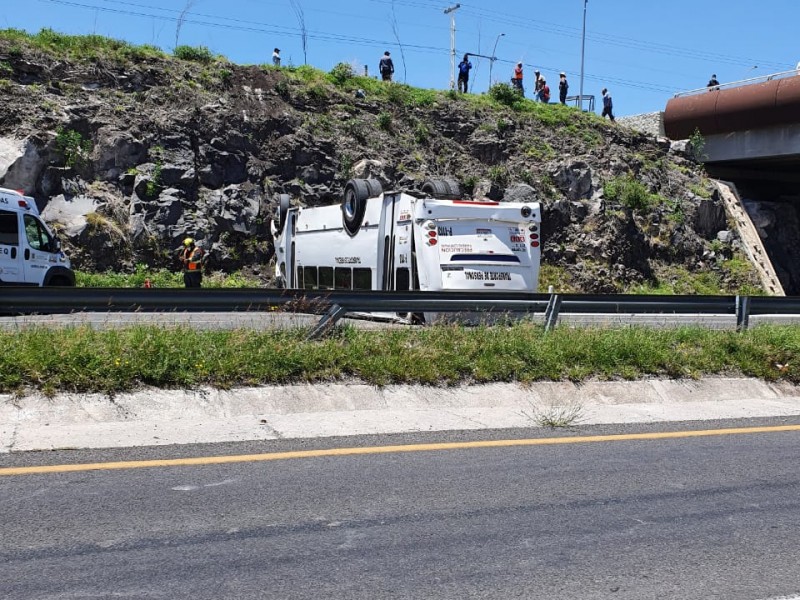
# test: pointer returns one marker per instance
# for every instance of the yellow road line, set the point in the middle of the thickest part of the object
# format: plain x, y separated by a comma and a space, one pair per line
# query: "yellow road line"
221, 460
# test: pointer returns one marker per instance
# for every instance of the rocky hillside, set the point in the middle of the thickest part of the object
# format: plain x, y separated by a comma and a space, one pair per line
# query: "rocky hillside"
129, 150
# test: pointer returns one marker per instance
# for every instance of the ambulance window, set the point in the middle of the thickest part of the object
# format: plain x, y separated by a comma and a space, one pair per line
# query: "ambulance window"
326, 278
344, 279
310, 278
9, 228
37, 235
362, 279
403, 280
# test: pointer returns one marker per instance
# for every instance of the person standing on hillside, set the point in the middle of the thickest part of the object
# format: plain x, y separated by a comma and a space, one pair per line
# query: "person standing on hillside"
276, 57
517, 79
608, 105
544, 91
537, 84
386, 67
191, 258
463, 74
563, 88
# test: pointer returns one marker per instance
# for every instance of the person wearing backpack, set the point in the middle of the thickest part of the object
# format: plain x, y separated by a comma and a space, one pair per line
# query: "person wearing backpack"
386, 67
463, 74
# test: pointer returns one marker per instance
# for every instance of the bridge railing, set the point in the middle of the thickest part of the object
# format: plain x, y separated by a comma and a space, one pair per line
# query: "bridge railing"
735, 84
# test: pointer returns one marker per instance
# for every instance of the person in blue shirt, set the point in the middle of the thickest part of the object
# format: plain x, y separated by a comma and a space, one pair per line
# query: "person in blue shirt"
463, 74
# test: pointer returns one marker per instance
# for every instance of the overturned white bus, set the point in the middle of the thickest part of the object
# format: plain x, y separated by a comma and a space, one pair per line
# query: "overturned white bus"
376, 240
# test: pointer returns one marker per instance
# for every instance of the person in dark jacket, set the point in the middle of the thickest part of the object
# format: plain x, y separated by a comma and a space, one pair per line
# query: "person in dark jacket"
608, 105
563, 88
463, 74
712, 83
386, 67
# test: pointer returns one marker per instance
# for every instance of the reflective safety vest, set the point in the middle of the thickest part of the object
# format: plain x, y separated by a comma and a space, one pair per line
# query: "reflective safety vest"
192, 259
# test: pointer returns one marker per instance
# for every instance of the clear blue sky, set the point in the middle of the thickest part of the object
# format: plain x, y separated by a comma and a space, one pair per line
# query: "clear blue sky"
642, 50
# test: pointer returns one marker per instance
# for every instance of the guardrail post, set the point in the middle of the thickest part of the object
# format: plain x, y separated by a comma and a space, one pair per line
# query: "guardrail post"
551, 313
742, 312
327, 322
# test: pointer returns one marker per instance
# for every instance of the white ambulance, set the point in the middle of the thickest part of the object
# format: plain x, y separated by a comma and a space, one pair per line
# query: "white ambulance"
378, 240
29, 252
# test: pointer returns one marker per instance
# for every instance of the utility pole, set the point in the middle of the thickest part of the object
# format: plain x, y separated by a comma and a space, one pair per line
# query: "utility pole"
583, 51
452, 12
494, 57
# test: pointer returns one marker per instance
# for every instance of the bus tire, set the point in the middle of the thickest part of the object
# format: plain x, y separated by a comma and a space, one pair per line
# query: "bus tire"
375, 188
354, 204
454, 188
436, 188
284, 203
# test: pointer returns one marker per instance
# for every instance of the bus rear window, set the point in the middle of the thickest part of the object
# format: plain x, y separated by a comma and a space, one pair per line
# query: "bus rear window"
495, 258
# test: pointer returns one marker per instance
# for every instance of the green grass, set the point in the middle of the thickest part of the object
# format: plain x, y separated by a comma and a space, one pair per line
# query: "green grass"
160, 278
79, 47
87, 360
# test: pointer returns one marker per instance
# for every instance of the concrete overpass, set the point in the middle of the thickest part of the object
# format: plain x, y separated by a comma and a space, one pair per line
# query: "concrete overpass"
751, 128
751, 133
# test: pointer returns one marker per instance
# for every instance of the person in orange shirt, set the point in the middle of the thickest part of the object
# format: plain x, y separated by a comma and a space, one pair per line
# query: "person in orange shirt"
517, 79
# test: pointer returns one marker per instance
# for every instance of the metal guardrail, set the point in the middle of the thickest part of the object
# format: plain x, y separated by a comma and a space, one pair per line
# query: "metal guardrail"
735, 84
333, 305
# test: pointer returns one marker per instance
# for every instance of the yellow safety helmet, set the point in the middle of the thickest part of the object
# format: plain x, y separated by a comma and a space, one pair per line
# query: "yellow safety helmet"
188, 242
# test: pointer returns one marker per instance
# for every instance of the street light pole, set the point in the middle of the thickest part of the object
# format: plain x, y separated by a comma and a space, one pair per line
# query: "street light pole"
494, 57
583, 51
452, 12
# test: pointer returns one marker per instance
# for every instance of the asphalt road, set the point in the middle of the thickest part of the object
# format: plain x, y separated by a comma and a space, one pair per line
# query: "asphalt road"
701, 517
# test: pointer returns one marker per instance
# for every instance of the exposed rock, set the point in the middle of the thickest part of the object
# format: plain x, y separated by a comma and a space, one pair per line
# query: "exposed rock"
573, 179
709, 218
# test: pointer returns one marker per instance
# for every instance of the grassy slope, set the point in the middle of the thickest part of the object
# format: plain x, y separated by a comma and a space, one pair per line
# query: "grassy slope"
84, 360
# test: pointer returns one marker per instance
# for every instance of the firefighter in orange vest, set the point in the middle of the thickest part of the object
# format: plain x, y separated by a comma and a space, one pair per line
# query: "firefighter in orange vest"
192, 259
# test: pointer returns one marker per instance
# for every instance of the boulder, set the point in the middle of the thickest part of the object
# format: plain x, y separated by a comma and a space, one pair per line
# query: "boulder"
709, 218
573, 179
520, 192
21, 162
115, 151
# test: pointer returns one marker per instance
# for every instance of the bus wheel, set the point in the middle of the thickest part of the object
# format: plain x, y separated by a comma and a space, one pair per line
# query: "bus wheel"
454, 188
375, 188
58, 282
284, 203
354, 204
446, 189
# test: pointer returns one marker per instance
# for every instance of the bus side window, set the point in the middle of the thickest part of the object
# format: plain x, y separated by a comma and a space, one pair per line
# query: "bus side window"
402, 280
344, 279
9, 228
362, 279
326, 278
310, 278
